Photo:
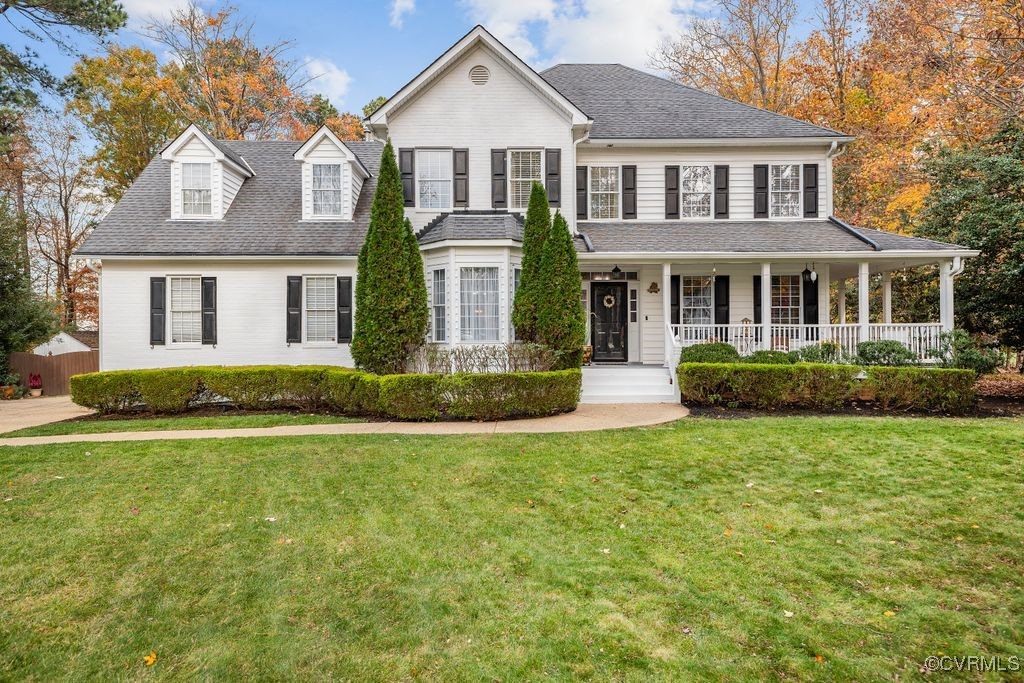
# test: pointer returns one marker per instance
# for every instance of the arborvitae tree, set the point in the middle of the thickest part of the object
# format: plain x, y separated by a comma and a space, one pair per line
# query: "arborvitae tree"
531, 288
391, 296
560, 319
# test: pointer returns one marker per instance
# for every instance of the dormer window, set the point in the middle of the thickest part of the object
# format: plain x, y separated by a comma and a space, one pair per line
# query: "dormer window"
196, 190
326, 190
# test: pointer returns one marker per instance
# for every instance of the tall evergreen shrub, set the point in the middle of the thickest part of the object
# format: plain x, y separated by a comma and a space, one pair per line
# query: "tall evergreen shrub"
531, 287
560, 317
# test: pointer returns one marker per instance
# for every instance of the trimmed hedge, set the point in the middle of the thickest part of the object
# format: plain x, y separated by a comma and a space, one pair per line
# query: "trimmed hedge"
710, 352
405, 397
821, 385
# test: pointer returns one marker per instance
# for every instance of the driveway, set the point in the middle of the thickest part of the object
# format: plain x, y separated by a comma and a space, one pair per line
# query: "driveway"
29, 412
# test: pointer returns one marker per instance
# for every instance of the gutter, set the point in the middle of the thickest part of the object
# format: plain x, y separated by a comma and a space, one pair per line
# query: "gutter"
853, 231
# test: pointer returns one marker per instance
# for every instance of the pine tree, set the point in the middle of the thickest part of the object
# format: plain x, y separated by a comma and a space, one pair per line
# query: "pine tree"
391, 295
531, 287
560, 320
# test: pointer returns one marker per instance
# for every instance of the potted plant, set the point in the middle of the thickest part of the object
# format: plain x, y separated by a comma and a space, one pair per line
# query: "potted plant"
35, 385
588, 354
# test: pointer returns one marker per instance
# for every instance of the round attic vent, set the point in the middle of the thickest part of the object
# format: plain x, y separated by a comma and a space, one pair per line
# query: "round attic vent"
479, 74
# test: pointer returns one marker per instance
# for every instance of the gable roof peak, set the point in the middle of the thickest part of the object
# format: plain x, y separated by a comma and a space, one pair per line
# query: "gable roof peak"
325, 132
220, 151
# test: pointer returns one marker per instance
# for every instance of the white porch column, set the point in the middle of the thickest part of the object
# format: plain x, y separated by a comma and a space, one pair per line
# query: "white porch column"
887, 298
766, 305
863, 299
666, 310
824, 296
841, 296
946, 295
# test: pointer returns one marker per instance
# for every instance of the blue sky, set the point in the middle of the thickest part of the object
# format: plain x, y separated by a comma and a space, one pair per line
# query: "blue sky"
359, 49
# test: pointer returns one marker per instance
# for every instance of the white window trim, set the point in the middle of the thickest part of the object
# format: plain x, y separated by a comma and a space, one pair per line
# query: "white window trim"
169, 323
498, 328
799, 299
434, 306
181, 192
618, 184
341, 190
508, 173
711, 191
451, 178
711, 310
306, 343
799, 192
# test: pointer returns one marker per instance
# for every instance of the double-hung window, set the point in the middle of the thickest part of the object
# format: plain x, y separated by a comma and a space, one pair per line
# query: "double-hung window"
785, 299
785, 191
439, 300
326, 190
478, 291
697, 299
695, 192
604, 192
321, 309
186, 310
524, 169
434, 178
196, 193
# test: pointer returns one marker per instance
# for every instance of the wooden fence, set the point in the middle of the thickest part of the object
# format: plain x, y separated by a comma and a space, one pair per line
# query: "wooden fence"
54, 370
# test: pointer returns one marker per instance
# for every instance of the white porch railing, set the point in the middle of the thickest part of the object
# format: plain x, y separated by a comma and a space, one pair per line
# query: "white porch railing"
920, 338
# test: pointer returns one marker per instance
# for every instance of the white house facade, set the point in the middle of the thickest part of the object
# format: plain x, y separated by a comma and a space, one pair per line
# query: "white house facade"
695, 218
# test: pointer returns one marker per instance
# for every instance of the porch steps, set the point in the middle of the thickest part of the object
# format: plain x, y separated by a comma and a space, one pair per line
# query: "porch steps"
627, 384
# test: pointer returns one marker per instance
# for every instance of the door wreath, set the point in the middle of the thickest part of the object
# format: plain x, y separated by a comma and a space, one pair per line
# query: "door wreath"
609, 300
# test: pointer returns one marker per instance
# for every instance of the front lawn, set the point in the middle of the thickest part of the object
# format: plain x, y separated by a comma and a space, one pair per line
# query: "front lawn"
806, 548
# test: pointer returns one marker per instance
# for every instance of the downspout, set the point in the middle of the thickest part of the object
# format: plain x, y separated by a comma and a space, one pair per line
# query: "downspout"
575, 146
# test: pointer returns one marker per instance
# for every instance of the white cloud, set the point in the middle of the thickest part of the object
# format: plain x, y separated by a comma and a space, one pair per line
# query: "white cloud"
625, 31
329, 79
399, 8
143, 12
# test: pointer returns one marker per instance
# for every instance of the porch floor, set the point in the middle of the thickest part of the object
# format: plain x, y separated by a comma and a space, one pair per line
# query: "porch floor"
631, 383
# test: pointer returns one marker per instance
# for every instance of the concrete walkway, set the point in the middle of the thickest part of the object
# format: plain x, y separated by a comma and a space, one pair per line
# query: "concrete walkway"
32, 412
587, 417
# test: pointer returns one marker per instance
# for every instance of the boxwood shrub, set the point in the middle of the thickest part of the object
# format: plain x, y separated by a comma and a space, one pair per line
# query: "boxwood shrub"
821, 385
711, 352
485, 396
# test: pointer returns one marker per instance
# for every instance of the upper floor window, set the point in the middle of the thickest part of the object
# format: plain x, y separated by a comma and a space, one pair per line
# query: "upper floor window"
695, 192
186, 310
524, 171
434, 178
321, 308
326, 189
785, 300
785, 191
604, 191
196, 192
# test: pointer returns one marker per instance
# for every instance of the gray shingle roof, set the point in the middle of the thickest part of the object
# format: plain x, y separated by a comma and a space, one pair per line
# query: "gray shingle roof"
265, 217
742, 237
473, 225
627, 103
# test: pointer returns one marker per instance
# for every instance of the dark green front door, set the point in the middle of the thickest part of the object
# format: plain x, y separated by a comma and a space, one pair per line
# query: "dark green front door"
608, 323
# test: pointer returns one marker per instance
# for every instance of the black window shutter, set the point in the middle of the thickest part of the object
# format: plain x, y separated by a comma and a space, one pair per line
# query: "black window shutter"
629, 191
344, 310
581, 193
294, 332
674, 300
157, 310
721, 192
810, 190
460, 177
553, 176
407, 167
810, 303
209, 300
757, 299
721, 299
671, 192
761, 191
499, 190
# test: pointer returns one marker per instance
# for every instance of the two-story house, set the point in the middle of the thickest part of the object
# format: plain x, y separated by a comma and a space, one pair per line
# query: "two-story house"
696, 218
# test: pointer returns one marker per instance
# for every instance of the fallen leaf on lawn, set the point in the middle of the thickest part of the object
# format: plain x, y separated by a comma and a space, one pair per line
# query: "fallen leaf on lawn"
134, 511
606, 551
772, 541
531, 503
818, 491
727, 532
888, 613
975, 526
750, 485
594, 478
285, 541
150, 659
747, 505
88, 452
740, 553
270, 519
622, 526
787, 614
687, 630
819, 659
767, 526
959, 538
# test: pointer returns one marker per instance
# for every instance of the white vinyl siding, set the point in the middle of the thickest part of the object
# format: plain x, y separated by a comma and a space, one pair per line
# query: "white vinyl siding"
785, 300
784, 187
695, 192
321, 312
696, 300
480, 310
196, 190
186, 310
439, 301
434, 178
524, 171
604, 192
327, 190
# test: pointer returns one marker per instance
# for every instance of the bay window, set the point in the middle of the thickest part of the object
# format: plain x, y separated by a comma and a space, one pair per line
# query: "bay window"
604, 192
479, 304
524, 170
785, 191
434, 178
438, 302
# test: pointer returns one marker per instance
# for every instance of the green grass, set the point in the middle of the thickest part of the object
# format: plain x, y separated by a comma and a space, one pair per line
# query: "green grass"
598, 555
102, 424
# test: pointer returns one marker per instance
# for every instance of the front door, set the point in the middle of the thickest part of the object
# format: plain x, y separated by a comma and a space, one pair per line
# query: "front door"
608, 328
